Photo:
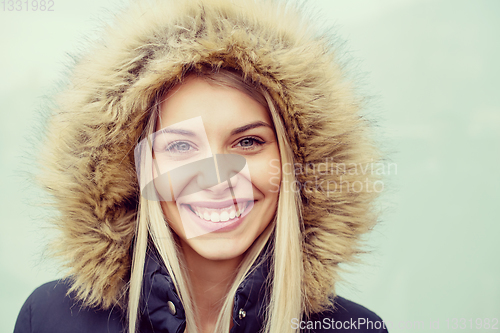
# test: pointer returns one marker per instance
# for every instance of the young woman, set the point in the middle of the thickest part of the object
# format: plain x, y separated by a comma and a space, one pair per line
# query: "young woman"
205, 161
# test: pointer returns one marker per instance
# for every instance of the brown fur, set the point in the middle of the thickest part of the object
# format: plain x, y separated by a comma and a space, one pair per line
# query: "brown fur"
88, 163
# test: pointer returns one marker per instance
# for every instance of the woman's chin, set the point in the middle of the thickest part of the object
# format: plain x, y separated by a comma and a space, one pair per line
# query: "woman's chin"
218, 248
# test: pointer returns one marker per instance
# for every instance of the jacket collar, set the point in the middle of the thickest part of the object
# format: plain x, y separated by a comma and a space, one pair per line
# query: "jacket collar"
162, 310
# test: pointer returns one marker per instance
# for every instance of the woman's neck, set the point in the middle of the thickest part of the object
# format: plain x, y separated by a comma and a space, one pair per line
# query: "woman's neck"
210, 281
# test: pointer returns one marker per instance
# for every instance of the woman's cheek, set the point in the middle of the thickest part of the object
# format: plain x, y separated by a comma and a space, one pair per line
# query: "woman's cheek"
265, 173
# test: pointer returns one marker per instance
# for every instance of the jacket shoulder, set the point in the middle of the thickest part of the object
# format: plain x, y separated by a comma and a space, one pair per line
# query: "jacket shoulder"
50, 309
345, 316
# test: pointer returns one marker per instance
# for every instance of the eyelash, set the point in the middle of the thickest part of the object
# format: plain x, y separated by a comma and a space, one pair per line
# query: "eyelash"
175, 143
258, 141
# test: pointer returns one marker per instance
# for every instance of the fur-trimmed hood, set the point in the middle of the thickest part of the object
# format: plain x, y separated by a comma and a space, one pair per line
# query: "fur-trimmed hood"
88, 158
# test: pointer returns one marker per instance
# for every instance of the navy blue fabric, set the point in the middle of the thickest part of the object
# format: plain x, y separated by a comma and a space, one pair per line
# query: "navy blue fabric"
50, 310
158, 289
346, 317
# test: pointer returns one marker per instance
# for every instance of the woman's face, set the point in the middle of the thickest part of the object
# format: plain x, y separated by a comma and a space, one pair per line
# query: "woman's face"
216, 218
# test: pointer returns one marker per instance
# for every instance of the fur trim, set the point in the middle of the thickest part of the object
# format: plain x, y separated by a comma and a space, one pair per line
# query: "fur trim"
88, 163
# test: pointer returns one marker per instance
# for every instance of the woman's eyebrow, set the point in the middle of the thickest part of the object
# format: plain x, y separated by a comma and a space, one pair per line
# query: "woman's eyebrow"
247, 127
177, 131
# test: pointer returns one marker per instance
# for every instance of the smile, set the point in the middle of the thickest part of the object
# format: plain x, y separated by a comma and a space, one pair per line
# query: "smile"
222, 214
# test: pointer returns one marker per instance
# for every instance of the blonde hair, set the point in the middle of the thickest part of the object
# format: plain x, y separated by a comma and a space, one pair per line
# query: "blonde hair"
285, 282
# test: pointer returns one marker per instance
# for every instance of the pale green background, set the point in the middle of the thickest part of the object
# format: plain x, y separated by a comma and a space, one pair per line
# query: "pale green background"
432, 69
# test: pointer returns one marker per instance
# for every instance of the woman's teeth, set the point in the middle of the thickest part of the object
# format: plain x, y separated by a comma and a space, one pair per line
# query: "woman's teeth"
219, 215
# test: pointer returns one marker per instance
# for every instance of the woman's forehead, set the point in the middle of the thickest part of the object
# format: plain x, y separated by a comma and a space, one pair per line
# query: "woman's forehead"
218, 106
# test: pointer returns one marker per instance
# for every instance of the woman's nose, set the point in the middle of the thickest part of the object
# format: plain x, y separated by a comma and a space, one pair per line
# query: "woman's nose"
227, 169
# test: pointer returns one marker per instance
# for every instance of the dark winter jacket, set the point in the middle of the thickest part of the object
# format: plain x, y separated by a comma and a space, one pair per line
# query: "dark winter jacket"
50, 310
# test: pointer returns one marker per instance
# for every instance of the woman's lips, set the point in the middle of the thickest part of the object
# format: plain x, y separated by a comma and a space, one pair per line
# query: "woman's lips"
222, 214
218, 204
226, 217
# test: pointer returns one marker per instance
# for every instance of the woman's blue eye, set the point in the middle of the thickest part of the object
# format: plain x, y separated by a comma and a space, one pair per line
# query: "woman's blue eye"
250, 143
181, 147
247, 142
